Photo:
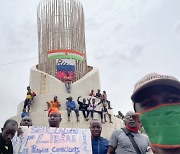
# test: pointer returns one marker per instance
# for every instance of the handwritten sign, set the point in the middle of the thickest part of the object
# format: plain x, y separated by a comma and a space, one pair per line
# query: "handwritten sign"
50, 140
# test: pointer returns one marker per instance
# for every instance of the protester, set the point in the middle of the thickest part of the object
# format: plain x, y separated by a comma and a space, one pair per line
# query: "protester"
24, 113
92, 93
67, 81
120, 115
98, 94
53, 105
29, 97
105, 112
120, 141
156, 100
99, 144
71, 105
104, 99
93, 108
26, 121
83, 107
54, 119
17, 139
8, 131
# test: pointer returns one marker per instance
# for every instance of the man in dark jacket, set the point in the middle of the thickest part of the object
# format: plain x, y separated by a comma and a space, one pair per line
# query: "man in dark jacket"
83, 107
8, 131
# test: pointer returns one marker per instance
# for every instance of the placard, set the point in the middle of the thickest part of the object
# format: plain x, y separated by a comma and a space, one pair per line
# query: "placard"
53, 141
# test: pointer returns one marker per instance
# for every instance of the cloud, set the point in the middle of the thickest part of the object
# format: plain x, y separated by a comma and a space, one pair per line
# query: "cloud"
118, 56
176, 26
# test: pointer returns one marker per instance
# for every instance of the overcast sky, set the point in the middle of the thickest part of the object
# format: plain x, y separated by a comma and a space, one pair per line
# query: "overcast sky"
125, 39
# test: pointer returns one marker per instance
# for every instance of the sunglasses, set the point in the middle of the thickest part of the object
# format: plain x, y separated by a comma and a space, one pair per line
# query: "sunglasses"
130, 116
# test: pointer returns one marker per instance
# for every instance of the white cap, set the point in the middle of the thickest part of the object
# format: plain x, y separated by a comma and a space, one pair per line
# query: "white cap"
154, 79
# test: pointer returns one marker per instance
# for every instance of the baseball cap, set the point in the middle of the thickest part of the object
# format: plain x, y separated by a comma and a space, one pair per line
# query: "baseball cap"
154, 79
69, 97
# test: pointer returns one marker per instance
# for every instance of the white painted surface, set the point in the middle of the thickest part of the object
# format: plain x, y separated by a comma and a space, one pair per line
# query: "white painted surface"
46, 87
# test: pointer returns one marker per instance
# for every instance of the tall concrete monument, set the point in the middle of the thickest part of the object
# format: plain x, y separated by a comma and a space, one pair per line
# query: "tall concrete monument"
62, 51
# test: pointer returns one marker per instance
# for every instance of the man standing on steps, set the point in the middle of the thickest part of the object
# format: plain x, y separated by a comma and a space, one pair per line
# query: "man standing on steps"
71, 105
99, 144
121, 139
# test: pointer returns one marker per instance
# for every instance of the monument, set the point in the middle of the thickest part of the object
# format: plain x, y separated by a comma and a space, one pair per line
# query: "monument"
62, 50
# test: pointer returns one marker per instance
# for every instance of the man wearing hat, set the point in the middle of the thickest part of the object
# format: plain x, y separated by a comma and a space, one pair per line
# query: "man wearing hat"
156, 100
71, 105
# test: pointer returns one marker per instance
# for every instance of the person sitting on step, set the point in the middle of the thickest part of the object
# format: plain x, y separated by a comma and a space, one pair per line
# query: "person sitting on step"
71, 105
105, 112
83, 107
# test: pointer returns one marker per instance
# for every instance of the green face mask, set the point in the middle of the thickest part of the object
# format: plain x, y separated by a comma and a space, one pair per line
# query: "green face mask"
162, 125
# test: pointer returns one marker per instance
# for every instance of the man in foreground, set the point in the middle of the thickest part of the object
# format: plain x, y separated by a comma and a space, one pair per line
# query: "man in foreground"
99, 144
157, 102
26, 121
54, 119
16, 141
120, 141
8, 131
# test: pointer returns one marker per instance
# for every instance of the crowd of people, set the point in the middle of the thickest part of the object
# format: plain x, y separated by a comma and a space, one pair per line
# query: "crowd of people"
88, 106
156, 100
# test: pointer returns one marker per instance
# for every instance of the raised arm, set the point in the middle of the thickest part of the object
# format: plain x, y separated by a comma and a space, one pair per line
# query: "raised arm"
78, 99
48, 106
89, 101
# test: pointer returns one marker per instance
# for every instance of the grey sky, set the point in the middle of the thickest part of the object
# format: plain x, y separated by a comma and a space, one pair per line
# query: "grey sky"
124, 39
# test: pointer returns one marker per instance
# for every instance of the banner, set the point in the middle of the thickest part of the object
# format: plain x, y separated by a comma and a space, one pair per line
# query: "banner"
64, 67
53, 141
65, 54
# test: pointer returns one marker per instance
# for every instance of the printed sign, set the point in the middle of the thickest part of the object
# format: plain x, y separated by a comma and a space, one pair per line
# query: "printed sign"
48, 140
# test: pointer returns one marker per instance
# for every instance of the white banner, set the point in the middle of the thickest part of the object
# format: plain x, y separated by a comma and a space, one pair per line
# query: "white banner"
53, 141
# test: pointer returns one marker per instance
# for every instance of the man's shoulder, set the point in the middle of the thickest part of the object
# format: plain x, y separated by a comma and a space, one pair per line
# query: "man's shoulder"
141, 136
118, 131
144, 136
104, 139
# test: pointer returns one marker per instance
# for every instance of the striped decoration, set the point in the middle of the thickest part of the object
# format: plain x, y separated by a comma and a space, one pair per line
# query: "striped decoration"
65, 54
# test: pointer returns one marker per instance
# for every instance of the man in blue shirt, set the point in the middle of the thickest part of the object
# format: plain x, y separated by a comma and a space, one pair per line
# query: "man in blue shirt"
71, 105
99, 144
